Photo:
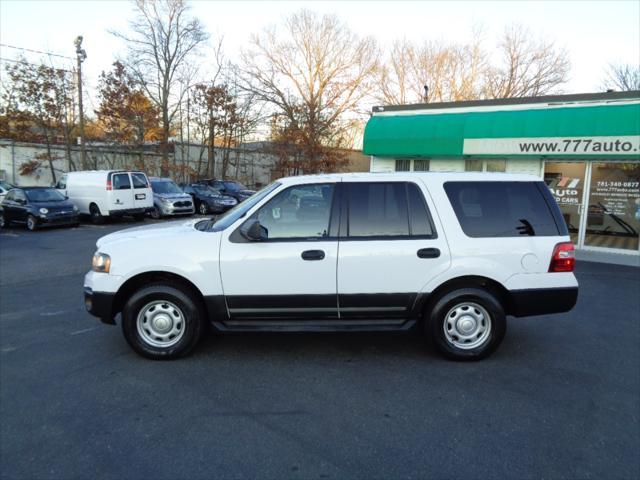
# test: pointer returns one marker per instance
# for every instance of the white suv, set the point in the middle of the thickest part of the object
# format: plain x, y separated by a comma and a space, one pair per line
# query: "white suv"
451, 254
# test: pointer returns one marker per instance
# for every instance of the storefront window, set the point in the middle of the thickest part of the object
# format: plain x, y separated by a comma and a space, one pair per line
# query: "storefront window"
473, 165
566, 182
421, 165
613, 215
403, 165
496, 165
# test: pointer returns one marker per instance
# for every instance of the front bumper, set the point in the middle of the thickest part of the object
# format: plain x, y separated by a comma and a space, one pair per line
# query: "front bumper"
168, 209
100, 304
99, 295
50, 220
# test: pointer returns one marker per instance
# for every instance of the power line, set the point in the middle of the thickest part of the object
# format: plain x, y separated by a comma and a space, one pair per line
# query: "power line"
35, 51
33, 64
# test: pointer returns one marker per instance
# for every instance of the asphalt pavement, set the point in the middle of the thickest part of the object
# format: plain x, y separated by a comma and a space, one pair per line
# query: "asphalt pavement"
559, 399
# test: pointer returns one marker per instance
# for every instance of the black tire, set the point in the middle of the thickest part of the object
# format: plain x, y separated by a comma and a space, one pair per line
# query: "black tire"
96, 215
75, 225
193, 319
203, 209
155, 214
452, 304
32, 223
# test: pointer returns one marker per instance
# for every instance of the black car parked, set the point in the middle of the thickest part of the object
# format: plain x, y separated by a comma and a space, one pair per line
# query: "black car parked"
208, 200
37, 207
231, 188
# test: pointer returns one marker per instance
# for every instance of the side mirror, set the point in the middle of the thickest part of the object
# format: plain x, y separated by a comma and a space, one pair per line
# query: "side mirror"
253, 231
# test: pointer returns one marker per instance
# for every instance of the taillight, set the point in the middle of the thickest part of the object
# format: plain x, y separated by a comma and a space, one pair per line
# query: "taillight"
563, 258
109, 185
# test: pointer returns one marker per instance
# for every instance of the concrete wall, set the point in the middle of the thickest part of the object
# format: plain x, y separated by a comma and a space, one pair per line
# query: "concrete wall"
251, 167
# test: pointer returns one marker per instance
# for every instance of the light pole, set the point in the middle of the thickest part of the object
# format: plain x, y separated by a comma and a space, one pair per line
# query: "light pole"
81, 55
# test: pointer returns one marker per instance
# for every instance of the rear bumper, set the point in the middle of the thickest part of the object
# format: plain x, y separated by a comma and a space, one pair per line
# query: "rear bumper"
100, 304
130, 211
542, 301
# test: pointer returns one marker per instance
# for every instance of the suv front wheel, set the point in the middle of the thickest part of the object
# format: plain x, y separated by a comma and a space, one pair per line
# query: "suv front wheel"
467, 324
162, 321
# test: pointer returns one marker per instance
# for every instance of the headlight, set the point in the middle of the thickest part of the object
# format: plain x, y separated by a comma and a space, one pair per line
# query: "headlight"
165, 200
43, 211
101, 262
75, 209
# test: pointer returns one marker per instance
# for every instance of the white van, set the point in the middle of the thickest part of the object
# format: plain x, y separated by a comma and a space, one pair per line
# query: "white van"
108, 193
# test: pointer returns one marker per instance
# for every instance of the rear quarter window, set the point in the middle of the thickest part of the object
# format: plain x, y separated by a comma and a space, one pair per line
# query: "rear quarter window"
503, 209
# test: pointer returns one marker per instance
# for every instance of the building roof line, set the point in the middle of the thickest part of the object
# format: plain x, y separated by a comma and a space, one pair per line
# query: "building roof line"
548, 99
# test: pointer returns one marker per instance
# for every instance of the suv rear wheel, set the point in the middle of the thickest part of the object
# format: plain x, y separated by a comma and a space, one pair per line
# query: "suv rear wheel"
467, 324
162, 321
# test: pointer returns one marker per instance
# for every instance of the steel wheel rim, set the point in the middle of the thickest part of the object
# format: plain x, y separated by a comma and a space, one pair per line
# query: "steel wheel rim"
160, 324
31, 223
467, 325
1, 220
203, 209
155, 213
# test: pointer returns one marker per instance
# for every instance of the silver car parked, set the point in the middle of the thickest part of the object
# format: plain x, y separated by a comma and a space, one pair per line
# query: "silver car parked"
169, 199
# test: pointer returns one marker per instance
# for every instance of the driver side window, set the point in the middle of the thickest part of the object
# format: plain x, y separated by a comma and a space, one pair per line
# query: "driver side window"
302, 211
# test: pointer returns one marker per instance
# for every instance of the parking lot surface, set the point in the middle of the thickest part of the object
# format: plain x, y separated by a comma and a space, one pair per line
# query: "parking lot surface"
559, 399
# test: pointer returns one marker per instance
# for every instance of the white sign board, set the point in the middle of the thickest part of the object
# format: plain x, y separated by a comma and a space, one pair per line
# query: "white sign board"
613, 145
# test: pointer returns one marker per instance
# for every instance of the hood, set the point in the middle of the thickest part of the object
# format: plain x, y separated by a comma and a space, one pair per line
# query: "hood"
53, 206
151, 231
173, 195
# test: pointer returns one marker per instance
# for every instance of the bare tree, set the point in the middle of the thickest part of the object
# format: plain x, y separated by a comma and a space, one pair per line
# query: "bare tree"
313, 71
529, 67
162, 40
396, 75
622, 77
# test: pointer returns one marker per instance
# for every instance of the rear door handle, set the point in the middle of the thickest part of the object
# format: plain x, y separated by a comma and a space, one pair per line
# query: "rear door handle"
312, 255
428, 253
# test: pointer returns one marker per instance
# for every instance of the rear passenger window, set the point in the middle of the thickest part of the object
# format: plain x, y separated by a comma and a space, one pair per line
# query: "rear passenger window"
121, 181
378, 209
139, 180
419, 218
501, 209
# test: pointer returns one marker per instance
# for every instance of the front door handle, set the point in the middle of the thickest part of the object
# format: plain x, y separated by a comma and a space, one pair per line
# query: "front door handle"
312, 255
429, 253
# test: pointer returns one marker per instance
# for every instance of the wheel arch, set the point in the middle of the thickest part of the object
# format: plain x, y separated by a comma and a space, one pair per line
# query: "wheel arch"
425, 301
137, 281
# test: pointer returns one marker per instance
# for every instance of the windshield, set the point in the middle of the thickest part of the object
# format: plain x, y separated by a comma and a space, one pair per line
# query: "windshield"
165, 186
44, 195
234, 186
206, 191
242, 208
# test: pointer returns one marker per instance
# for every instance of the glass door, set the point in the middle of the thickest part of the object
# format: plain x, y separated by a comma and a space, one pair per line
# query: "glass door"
566, 181
613, 213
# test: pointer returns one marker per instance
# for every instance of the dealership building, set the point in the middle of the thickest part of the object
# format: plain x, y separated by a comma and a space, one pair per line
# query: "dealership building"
586, 147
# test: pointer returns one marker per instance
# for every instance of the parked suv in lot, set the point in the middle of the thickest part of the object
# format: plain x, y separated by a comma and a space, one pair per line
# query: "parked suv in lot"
169, 199
209, 200
230, 188
451, 254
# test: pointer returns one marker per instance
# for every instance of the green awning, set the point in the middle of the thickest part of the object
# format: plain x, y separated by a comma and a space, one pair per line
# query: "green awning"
443, 134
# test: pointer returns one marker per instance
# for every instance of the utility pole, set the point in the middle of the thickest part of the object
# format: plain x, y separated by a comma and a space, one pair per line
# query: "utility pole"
81, 55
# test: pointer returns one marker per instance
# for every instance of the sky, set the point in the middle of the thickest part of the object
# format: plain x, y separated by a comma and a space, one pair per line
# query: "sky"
595, 33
